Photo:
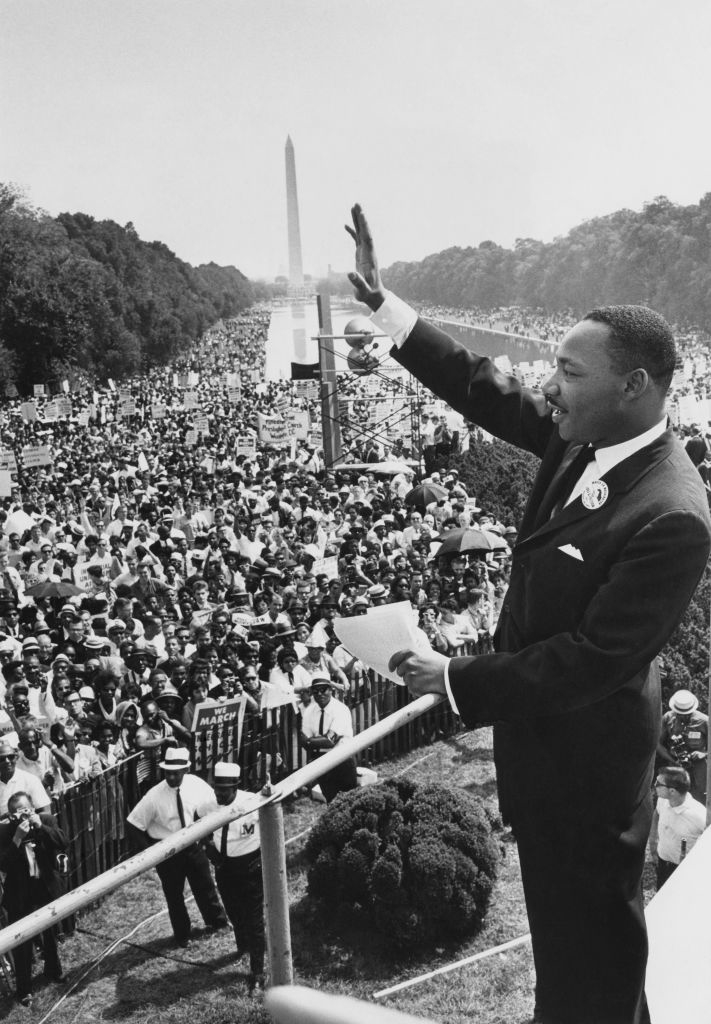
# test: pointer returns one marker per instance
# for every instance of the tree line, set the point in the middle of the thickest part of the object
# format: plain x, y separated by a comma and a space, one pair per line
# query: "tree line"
658, 257
79, 295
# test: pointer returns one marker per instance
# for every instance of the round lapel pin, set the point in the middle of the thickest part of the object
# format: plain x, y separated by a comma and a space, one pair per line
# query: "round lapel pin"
595, 494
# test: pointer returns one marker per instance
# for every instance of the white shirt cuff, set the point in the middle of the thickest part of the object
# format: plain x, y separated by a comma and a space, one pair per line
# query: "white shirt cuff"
448, 688
395, 318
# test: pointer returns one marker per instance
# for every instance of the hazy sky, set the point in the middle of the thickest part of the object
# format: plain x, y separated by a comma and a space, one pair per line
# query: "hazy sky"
451, 121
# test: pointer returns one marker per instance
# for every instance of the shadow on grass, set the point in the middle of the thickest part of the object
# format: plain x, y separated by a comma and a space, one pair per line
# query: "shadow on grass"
482, 790
338, 945
466, 753
180, 978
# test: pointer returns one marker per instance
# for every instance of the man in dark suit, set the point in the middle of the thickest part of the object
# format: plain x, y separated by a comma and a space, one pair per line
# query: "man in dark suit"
614, 539
29, 846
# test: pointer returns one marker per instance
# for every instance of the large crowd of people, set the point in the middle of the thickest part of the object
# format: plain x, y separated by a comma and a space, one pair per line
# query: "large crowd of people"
154, 547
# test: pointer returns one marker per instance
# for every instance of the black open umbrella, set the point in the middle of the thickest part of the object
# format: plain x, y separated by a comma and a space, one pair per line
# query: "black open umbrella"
425, 493
53, 588
464, 539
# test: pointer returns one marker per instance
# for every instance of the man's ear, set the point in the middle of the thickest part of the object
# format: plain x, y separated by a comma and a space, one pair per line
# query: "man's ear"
637, 383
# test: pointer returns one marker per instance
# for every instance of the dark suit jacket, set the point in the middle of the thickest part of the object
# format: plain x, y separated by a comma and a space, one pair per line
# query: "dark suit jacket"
573, 682
49, 841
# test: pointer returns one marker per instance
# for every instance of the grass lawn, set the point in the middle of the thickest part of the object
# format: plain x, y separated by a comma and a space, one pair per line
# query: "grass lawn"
145, 978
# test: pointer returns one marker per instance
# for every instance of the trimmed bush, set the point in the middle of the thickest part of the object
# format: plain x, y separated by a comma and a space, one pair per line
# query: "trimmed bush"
419, 860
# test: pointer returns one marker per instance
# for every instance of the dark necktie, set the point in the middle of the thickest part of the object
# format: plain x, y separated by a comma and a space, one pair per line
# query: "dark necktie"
563, 482
291, 678
320, 724
181, 812
223, 840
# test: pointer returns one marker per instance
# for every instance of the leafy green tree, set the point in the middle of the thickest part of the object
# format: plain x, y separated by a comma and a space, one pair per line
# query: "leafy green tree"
87, 294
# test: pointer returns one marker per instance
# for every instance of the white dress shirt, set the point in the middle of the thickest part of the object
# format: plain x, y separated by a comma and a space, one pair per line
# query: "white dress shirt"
157, 813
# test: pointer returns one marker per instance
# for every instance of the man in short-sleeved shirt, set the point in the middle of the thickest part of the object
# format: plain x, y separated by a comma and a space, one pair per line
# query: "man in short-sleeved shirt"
325, 723
235, 852
13, 780
681, 820
165, 809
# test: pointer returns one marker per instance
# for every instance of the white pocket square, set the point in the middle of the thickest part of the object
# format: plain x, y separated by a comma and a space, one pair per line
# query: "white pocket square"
570, 549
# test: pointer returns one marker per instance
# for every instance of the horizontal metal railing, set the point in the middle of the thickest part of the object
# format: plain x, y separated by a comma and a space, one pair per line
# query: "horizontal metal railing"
105, 883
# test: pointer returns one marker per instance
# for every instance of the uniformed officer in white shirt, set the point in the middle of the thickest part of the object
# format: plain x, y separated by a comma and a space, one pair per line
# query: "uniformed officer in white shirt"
234, 849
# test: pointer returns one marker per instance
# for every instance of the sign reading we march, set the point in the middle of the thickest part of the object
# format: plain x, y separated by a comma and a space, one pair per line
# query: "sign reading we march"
207, 715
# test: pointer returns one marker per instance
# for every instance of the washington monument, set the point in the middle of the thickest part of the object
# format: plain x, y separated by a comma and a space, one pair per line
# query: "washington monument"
296, 272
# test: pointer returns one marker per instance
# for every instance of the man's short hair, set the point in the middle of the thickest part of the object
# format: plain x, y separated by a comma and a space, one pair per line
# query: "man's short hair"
676, 778
639, 337
14, 799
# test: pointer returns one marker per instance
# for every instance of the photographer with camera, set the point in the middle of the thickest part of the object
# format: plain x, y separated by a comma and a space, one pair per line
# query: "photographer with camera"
684, 740
33, 858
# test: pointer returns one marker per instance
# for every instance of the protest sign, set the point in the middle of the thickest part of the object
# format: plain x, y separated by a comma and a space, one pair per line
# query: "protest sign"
28, 411
127, 408
36, 455
207, 714
327, 566
246, 444
307, 389
274, 430
38, 391
7, 459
